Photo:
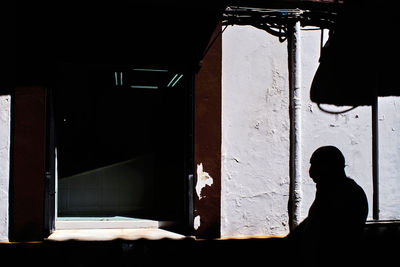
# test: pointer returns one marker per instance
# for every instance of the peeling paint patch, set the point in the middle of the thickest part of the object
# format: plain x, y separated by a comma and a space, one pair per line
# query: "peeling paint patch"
196, 223
203, 179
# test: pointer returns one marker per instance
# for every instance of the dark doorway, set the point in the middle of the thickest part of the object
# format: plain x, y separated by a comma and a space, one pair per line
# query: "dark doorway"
123, 138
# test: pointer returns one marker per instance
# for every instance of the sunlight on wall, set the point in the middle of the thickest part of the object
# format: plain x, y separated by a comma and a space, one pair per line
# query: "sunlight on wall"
5, 105
255, 135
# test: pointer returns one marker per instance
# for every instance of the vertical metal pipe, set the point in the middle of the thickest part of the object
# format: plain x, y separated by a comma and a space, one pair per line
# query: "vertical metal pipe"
294, 58
375, 157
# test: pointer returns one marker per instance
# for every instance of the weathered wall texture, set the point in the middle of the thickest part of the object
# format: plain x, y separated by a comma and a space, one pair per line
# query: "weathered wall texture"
5, 104
255, 133
389, 157
350, 132
255, 130
207, 142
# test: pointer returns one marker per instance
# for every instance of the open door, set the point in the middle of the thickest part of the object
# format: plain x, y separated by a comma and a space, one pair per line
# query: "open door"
28, 166
50, 174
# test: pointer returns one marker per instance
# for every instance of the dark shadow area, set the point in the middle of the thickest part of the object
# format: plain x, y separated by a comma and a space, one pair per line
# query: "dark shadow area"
331, 235
379, 249
163, 252
359, 59
98, 123
123, 141
151, 32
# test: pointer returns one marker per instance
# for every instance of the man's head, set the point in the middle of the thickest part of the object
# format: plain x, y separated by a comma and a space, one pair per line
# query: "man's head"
327, 162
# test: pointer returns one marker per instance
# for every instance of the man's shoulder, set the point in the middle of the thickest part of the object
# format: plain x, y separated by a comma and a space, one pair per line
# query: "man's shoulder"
351, 182
356, 191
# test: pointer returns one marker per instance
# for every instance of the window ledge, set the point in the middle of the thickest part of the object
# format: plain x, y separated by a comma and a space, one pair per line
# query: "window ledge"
382, 222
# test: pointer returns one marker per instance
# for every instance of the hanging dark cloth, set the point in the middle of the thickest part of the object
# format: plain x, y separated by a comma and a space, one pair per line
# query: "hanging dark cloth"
360, 59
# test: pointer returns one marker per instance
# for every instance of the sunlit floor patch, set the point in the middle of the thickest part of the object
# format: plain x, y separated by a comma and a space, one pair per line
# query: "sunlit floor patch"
112, 234
117, 222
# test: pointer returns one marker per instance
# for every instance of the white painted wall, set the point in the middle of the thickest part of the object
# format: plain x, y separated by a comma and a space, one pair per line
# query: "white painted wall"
5, 104
389, 157
255, 135
350, 132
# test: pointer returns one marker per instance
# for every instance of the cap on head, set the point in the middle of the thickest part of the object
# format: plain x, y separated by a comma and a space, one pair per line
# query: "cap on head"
328, 156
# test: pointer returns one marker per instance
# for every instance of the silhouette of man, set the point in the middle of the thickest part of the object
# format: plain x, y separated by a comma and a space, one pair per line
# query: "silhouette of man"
332, 230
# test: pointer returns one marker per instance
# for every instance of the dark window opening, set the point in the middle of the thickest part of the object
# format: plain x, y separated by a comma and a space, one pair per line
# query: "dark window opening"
123, 138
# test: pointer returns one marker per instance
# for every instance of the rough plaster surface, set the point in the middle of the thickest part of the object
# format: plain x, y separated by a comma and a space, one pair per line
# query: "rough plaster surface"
255, 133
5, 102
350, 132
389, 157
